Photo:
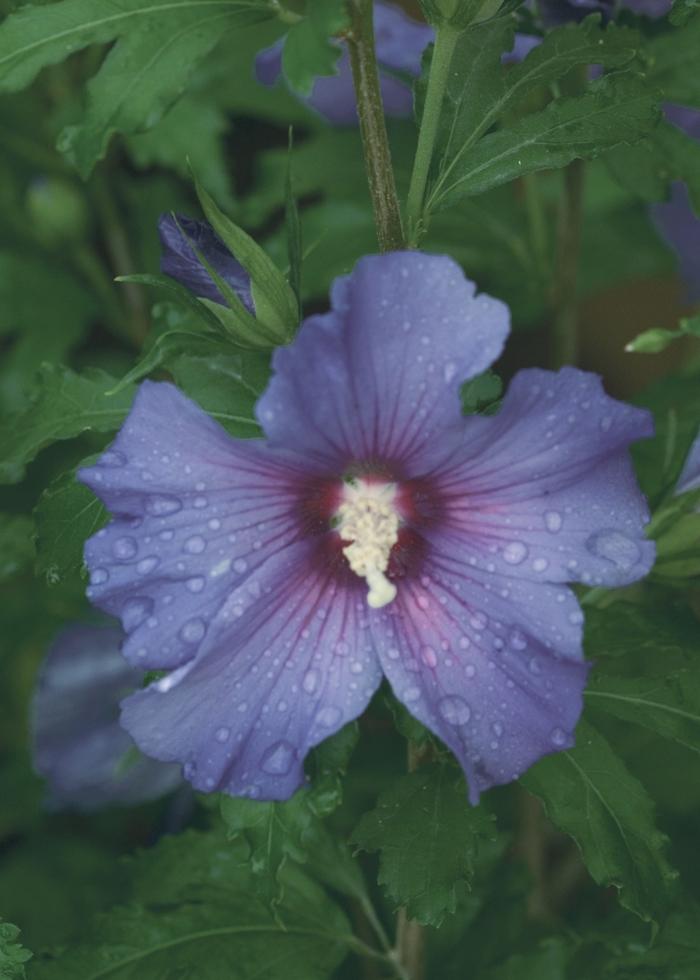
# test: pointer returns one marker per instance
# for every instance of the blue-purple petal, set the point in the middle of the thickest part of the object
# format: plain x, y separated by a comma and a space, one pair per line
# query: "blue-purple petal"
287, 662
378, 377
78, 744
179, 238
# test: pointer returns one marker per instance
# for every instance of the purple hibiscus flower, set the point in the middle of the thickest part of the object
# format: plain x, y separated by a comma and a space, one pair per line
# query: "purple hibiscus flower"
373, 531
78, 744
400, 43
675, 219
179, 237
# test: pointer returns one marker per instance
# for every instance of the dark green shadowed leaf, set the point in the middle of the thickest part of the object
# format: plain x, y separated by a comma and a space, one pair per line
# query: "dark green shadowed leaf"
193, 913
428, 838
66, 405
588, 793
647, 670
293, 229
16, 549
67, 514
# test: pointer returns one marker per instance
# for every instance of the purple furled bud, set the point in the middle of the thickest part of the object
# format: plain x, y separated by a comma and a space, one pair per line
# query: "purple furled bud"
179, 237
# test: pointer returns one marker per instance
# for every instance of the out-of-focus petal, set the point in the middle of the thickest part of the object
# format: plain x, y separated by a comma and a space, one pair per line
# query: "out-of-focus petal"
195, 513
179, 237
78, 744
492, 666
690, 474
400, 41
378, 377
287, 661
679, 226
545, 490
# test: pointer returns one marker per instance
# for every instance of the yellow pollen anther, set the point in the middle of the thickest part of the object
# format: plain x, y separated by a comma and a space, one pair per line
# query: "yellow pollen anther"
368, 520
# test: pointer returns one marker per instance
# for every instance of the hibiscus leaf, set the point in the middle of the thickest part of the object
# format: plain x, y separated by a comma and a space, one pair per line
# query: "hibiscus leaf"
308, 52
193, 913
617, 109
589, 793
158, 45
67, 514
276, 832
650, 167
673, 58
66, 405
428, 838
226, 385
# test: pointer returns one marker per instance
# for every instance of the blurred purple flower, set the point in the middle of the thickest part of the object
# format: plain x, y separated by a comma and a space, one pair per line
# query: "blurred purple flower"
78, 744
675, 219
179, 237
690, 474
400, 42
374, 531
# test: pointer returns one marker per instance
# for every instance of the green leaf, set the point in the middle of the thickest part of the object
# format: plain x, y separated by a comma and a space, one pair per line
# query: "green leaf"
428, 837
481, 91
194, 913
293, 230
13, 955
276, 832
675, 403
191, 302
51, 319
616, 109
190, 135
227, 386
16, 550
548, 962
588, 793
158, 44
674, 955
673, 57
66, 405
683, 10
68, 513
650, 167
308, 52
481, 393
658, 339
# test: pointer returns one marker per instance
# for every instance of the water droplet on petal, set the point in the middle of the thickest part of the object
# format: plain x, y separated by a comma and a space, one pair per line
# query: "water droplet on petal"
278, 759
470, 670
125, 548
193, 630
479, 621
222, 734
615, 547
553, 521
454, 710
558, 737
135, 611
576, 617
515, 552
497, 729
147, 565
540, 564
310, 682
534, 666
429, 657
99, 576
449, 371
410, 694
517, 640
195, 584
329, 716
240, 565
112, 457
163, 504
195, 545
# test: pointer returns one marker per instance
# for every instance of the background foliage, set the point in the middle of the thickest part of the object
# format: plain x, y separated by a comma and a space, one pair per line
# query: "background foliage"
106, 110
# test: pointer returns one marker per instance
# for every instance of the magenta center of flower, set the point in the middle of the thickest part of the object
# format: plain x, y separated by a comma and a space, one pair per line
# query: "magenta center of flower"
367, 520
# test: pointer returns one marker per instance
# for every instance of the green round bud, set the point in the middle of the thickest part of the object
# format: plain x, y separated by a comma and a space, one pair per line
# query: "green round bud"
57, 211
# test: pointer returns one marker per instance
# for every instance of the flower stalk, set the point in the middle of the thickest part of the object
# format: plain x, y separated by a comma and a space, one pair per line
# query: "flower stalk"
564, 336
375, 141
445, 40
